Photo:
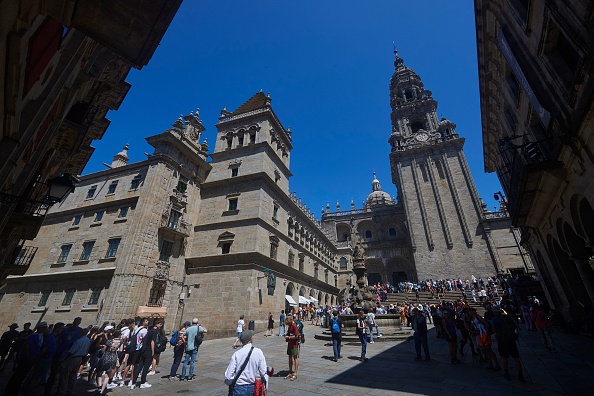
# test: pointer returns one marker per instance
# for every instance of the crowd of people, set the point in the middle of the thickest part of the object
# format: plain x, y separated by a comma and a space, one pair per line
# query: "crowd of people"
53, 357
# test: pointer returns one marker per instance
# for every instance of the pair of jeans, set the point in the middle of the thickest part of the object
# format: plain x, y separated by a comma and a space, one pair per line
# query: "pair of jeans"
377, 330
362, 338
336, 345
421, 340
191, 360
144, 364
243, 390
283, 327
178, 353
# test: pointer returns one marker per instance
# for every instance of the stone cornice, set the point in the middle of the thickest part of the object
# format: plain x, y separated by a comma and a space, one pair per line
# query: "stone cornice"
227, 155
92, 207
61, 275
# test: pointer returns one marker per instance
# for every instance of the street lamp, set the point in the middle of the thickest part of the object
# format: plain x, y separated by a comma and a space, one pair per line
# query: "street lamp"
498, 196
58, 188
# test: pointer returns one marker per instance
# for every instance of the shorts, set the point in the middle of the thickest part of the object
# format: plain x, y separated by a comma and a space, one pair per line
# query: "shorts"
293, 350
239, 334
484, 339
508, 349
133, 358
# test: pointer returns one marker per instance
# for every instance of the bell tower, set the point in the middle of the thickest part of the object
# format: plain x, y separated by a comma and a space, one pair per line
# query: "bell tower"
434, 183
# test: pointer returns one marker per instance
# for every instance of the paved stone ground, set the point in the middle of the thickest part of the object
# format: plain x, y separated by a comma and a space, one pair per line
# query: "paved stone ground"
391, 370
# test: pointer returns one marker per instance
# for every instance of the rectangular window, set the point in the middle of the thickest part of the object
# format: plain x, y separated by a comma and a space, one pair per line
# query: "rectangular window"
157, 293
112, 187
91, 192
113, 247
240, 140
44, 296
182, 185
273, 251
76, 220
99, 215
64, 253
87, 249
229, 143
166, 251
95, 293
252, 138
233, 204
68, 297
275, 212
123, 212
135, 183
234, 172
174, 217
226, 248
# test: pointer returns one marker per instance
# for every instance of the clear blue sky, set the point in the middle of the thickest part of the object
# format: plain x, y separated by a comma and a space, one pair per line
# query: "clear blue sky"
327, 66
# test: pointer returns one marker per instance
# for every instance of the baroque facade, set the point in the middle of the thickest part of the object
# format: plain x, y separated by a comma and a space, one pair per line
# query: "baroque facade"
215, 235
537, 103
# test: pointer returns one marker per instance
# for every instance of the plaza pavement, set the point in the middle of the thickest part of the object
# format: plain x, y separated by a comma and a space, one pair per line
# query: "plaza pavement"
391, 370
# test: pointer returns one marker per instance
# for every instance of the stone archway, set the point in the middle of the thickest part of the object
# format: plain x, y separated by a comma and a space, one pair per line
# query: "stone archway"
289, 291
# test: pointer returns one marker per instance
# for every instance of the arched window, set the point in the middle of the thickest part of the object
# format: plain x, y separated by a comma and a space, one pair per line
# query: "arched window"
343, 263
345, 237
392, 232
415, 126
368, 234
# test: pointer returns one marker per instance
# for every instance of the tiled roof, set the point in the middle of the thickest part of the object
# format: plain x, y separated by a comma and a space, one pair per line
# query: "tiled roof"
255, 102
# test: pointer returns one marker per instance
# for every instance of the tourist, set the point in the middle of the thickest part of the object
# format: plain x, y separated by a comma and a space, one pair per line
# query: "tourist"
292, 338
156, 357
136, 354
178, 349
146, 353
506, 332
448, 325
336, 327
107, 366
43, 363
72, 359
281, 325
123, 355
419, 325
270, 329
17, 345
96, 350
6, 342
362, 333
246, 366
240, 327
191, 335
543, 326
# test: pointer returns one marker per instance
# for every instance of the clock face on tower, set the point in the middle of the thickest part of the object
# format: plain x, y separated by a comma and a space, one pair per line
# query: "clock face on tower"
422, 136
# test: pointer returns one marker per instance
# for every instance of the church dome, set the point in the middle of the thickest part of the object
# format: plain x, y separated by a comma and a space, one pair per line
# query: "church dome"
377, 196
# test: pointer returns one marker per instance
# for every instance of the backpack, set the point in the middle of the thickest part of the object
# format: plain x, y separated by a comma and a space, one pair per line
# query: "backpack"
160, 343
198, 339
131, 342
507, 331
300, 328
335, 326
174, 337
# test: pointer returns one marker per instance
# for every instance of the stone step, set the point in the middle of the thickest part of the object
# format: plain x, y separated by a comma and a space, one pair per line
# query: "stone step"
399, 335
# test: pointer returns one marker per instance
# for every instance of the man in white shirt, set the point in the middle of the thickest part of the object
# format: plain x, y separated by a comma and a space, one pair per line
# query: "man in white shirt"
254, 369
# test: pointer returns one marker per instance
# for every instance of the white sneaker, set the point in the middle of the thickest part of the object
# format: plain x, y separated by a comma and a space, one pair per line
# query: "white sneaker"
372, 342
145, 385
379, 335
151, 373
121, 384
132, 386
111, 386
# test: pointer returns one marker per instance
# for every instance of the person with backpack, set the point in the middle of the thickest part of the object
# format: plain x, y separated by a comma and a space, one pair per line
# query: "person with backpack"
336, 327
292, 338
193, 338
506, 332
160, 346
362, 334
145, 355
178, 342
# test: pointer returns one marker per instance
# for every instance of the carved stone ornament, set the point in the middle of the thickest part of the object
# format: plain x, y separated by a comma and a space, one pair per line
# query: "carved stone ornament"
162, 270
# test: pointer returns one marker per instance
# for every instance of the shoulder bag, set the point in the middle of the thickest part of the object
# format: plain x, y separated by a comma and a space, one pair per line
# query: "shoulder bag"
247, 359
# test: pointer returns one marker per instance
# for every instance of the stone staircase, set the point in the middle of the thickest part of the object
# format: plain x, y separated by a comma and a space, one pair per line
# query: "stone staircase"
425, 297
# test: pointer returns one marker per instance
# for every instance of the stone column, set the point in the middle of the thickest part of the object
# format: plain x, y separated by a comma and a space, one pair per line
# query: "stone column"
586, 273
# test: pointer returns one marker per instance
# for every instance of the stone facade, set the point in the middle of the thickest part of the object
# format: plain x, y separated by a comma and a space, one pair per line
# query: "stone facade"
536, 86
178, 236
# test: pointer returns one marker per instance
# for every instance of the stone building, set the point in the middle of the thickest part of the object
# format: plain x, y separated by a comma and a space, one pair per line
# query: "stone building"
535, 67
178, 235
63, 66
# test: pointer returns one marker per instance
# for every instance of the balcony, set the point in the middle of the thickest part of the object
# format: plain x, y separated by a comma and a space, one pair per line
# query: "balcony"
174, 225
532, 187
179, 198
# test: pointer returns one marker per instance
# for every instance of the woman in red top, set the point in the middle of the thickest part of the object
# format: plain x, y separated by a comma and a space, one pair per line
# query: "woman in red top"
292, 338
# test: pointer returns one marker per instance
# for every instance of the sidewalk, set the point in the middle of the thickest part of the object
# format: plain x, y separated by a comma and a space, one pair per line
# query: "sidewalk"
391, 369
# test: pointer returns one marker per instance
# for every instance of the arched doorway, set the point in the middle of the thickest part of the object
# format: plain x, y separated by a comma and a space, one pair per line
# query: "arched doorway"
289, 292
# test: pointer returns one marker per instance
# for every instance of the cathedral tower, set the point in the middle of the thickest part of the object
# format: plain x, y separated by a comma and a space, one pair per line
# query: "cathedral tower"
434, 184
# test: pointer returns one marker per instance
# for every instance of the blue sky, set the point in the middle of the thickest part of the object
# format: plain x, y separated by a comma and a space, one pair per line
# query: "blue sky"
327, 66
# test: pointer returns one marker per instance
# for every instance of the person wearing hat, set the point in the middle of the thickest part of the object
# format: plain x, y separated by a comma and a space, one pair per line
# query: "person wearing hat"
6, 341
190, 336
506, 332
246, 366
